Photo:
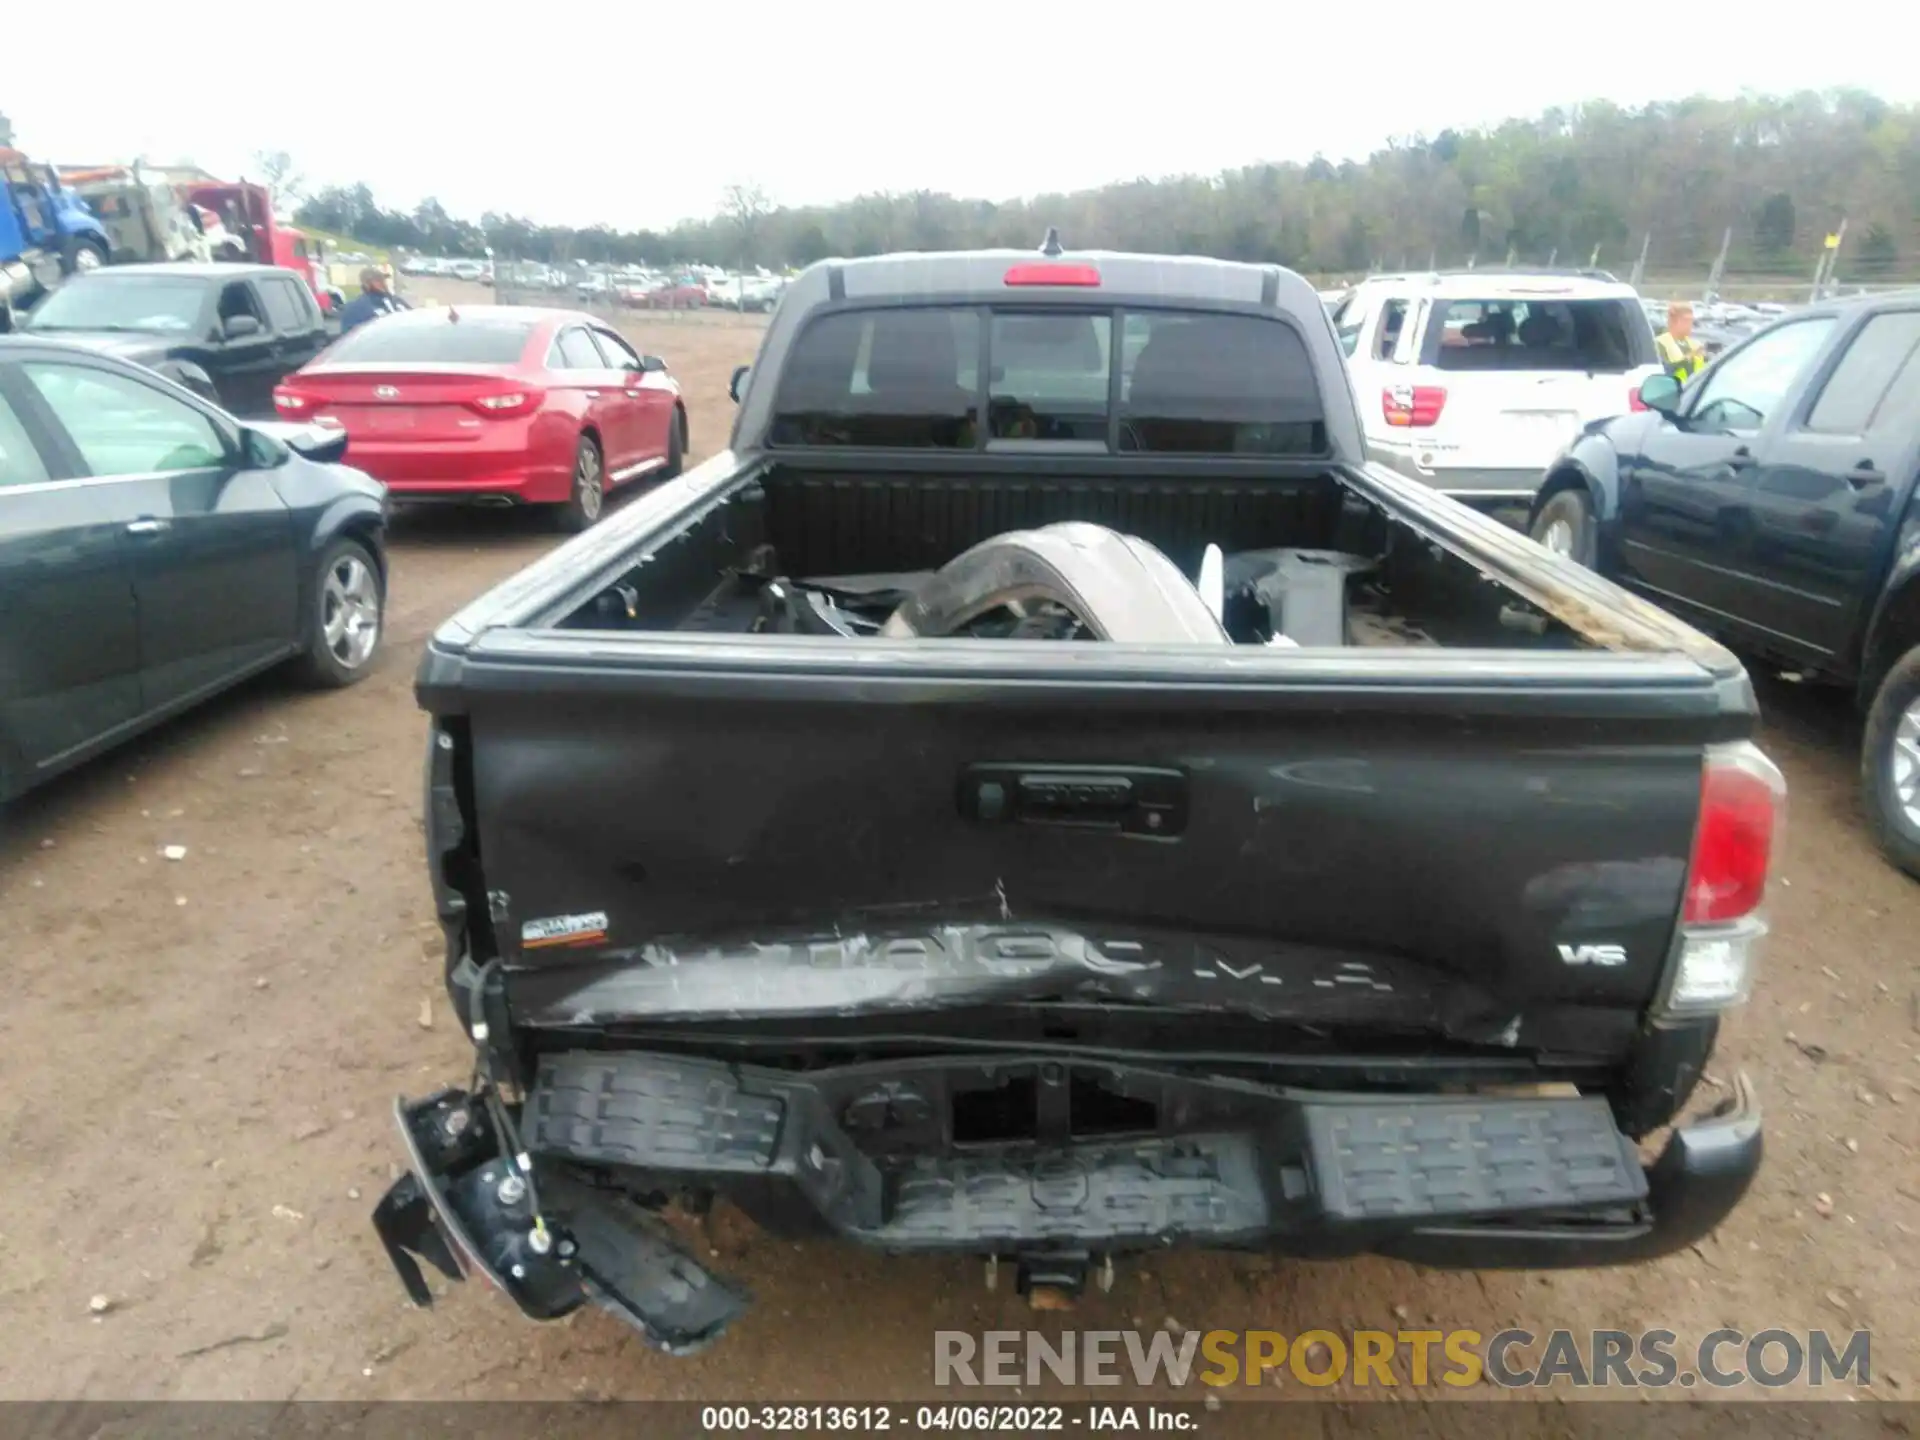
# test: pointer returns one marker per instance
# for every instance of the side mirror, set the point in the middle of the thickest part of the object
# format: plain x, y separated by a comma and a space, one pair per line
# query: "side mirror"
266, 440
263, 452
652, 365
738, 383
240, 327
1660, 392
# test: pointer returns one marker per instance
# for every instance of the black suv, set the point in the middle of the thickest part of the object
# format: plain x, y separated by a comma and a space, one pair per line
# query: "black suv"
229, 332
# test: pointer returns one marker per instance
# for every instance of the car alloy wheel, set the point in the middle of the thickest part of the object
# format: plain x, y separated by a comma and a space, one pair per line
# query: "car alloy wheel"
589, 484
1903, 764
350, 611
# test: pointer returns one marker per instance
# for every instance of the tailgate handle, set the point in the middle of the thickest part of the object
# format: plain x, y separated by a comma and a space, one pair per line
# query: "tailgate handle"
1127, 799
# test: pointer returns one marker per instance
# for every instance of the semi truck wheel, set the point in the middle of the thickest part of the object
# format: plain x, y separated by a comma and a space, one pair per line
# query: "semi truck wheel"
80, 254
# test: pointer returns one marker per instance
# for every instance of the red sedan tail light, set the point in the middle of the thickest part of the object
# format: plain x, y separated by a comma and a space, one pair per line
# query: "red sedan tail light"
501, 404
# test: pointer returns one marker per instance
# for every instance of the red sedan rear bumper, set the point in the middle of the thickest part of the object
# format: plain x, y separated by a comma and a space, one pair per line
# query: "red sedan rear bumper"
493, 470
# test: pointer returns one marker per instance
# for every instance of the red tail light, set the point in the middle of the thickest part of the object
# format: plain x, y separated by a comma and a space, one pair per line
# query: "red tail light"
502, 404
1741, 795
1412, 406
1634, 403
288, 403
1043, 273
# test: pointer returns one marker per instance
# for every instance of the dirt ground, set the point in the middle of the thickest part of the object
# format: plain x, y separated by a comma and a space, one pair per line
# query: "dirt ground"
199, 1059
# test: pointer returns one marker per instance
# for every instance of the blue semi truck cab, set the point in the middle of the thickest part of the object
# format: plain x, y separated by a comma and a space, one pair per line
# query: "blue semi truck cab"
46, 231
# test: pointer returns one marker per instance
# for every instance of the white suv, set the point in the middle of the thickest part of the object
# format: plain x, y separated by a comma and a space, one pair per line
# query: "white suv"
1474, 381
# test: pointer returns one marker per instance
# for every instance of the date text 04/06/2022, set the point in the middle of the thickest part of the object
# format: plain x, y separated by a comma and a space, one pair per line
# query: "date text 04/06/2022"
1086, 1419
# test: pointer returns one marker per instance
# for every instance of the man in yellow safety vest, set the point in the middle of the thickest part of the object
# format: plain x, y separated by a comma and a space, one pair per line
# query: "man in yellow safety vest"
1681, 356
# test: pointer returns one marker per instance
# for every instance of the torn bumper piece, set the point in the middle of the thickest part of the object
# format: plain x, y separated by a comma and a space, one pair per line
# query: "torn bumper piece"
1475, 1182
465, 1206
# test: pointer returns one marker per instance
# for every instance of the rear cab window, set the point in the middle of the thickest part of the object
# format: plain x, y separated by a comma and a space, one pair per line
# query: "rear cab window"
1595, 336
433, 341
1134, 381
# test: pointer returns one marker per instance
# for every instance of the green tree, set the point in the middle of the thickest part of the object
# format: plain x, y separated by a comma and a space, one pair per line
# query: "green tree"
1568, 180
1879, 251
809, 245
1773, 225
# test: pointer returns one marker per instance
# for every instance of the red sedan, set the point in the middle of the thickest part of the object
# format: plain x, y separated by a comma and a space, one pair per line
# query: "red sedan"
682, 294
495, 405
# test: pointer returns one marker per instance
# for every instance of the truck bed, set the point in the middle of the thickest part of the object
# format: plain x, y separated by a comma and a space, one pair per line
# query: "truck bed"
881, 535
1393, 837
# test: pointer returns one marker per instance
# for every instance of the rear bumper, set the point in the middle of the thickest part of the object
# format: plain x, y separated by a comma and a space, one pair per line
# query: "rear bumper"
514, 485
1463, 482
507, 466
1451, 1182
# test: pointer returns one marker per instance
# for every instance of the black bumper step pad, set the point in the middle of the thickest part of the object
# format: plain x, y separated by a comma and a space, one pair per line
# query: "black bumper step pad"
1454, 1157
671, 1116
1319, 1164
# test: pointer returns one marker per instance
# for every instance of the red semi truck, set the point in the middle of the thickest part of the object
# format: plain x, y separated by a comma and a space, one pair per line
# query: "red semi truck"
251, 232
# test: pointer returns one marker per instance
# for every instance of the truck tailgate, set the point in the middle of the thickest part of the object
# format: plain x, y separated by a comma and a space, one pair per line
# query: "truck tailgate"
1490, 847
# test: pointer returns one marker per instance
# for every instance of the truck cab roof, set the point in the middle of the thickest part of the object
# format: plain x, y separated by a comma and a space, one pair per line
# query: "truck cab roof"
1192, 280
192, 270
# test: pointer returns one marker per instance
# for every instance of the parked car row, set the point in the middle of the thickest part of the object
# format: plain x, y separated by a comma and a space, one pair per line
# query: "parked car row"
1769, 500
479, 271
646, 289
156, 549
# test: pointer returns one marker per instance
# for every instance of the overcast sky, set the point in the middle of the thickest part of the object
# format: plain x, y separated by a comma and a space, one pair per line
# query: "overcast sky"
636, 113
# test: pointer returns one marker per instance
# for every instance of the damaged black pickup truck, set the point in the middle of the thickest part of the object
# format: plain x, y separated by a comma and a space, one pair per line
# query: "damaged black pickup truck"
1041, 795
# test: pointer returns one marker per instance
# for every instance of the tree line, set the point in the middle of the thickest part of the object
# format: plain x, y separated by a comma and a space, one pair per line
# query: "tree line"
1576, 185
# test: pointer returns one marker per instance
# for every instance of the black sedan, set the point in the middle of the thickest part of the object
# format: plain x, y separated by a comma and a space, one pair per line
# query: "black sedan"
227, 332
154, 551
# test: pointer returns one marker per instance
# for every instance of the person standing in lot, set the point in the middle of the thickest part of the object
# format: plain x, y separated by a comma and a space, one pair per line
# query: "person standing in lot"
1681, 356
375, 300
